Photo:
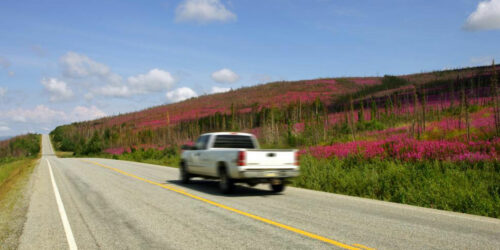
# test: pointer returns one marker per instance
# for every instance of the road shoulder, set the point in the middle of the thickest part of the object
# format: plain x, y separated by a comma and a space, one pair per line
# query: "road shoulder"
15, 195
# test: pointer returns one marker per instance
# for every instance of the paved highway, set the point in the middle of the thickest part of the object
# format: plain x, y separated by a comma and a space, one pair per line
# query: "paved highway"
110, 204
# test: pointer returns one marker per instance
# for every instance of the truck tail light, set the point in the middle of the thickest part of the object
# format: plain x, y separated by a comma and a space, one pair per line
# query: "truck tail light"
297, 158
241, 158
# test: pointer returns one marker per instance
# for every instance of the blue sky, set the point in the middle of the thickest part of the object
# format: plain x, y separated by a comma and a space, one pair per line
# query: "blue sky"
65, 61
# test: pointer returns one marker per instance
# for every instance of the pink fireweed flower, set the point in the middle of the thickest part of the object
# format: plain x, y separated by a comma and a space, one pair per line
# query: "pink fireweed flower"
409, 149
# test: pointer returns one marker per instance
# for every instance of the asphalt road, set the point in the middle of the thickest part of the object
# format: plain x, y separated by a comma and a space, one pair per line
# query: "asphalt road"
114, 204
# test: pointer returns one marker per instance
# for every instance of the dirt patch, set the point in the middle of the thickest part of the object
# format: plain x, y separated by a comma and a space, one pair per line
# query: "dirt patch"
15, 195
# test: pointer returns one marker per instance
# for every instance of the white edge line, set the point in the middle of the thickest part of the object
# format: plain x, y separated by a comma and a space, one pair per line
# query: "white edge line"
62, 212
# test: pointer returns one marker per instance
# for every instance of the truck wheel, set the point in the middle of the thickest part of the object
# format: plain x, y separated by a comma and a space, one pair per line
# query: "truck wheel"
184, 175
226, 185
278, 187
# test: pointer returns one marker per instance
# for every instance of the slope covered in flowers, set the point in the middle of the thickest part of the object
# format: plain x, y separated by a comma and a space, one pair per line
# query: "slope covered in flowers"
266, 95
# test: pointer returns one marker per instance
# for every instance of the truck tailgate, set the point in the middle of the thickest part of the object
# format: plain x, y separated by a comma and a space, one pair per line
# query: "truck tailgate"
270, 157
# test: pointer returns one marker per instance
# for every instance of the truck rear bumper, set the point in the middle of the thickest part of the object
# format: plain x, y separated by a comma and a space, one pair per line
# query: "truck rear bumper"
275, 173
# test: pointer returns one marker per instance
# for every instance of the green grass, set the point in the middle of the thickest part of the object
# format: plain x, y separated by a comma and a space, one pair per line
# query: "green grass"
460, 187
14, 199
11, 168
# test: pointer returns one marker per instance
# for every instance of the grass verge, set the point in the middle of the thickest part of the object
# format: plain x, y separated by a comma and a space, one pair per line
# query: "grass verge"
14, 199
459, 187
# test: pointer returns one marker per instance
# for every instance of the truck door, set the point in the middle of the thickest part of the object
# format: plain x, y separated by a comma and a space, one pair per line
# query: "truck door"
206, 166
201, 146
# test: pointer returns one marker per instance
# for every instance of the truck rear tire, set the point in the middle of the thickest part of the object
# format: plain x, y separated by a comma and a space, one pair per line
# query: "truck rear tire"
184, 175
278, 187
226, 185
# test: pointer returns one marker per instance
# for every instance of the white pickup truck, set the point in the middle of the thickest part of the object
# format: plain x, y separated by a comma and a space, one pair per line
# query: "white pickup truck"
236, 157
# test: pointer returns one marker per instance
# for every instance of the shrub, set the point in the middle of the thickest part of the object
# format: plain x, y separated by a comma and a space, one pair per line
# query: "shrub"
93, 146
20, 146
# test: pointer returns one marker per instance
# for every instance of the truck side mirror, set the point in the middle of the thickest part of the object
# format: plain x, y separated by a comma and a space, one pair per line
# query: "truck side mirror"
186, 147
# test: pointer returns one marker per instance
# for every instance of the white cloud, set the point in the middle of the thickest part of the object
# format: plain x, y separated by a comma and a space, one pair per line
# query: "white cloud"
114, 91
203, 11
42, 114
4, 128
225, 76
88, 96
154, 80
98, 79
3, 91
58, 90
180, 94
80, 66
216, 89
485, 17
81, 113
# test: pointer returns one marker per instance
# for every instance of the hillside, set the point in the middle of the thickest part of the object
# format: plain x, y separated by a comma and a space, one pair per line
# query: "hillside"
156, 126
279, 94
430, 139
267, 95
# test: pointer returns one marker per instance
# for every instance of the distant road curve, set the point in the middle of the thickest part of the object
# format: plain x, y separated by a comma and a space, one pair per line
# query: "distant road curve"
119, 204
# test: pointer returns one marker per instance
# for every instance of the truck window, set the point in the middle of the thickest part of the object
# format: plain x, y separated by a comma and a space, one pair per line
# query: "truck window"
201, 143
233, 141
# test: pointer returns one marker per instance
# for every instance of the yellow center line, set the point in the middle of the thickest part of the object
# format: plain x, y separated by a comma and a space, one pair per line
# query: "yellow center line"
363, 247
277, 224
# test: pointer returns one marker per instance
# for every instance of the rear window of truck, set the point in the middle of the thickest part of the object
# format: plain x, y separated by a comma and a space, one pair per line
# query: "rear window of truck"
233, 141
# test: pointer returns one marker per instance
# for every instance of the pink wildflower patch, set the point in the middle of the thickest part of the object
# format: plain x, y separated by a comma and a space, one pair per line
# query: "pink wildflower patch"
408, 149
298, 127
114, 151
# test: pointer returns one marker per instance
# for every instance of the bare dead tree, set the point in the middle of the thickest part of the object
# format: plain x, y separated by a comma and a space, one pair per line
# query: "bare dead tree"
351, 118
494, 90
415, 120
467, 123
424, 108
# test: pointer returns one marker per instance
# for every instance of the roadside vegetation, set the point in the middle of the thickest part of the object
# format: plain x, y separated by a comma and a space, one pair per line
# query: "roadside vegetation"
18, 149
472, 188
428, 139
18, 158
